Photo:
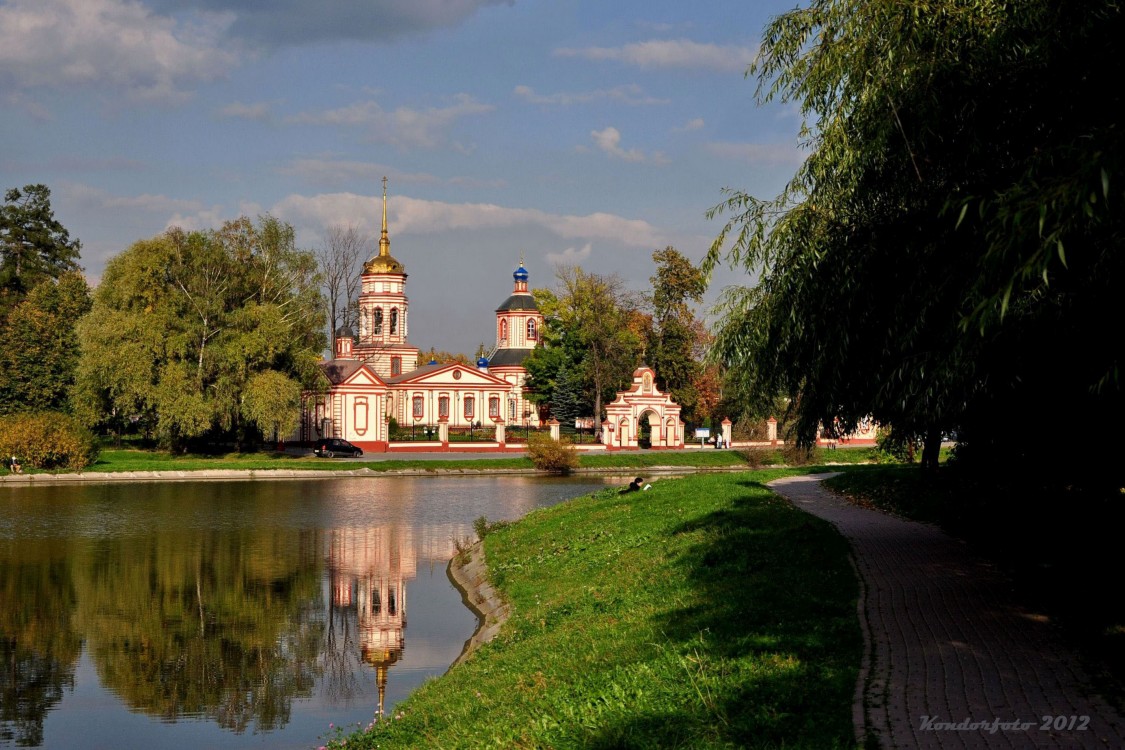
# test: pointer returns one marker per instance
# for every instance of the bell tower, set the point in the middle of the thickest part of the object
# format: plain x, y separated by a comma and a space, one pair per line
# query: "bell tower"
384, 311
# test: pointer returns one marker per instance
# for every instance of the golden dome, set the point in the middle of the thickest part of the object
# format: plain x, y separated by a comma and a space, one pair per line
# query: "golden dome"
383, 264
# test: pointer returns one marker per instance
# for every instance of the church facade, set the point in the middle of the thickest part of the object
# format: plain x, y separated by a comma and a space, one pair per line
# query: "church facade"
374, 385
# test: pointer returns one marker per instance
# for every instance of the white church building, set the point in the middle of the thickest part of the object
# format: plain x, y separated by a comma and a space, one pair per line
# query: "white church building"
373, 382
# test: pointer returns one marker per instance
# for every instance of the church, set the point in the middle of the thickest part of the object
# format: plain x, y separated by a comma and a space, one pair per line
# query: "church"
374, 384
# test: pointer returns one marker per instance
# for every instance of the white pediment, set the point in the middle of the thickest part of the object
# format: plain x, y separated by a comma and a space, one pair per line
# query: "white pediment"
364, 376
455, 376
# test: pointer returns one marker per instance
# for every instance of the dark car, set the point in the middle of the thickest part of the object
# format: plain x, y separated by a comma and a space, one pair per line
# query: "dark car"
332, 447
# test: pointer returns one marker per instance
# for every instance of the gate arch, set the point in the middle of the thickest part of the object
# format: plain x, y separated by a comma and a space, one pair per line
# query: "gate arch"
621, 427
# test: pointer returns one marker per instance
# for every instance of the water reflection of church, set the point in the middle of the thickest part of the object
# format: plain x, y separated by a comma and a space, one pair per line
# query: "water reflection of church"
368, 571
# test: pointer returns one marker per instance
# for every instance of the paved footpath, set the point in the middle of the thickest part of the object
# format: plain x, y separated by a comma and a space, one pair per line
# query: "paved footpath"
950, 660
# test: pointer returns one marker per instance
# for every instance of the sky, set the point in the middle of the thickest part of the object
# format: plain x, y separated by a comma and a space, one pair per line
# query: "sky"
575, 132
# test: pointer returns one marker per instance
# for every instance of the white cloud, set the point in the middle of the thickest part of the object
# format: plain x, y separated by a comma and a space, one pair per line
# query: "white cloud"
339, 171
34, 109
694, 124
258, 111
414, 216
96, 198
628, 94
609, 141
571, 256
670, 53
758, 153
404, 127
336, 171
116, 43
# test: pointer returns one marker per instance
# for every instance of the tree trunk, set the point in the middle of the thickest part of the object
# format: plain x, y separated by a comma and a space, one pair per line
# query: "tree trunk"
931, 449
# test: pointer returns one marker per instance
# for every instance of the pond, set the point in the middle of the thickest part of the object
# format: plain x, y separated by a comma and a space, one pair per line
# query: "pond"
233, 614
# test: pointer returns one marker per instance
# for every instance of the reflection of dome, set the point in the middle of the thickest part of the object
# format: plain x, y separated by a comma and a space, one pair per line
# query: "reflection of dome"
381, 657
482, 362
520, 274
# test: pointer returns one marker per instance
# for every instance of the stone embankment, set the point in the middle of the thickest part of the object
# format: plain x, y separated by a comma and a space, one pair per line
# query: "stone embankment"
469, 574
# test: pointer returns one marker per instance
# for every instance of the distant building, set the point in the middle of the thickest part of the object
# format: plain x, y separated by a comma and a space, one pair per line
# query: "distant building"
374, 376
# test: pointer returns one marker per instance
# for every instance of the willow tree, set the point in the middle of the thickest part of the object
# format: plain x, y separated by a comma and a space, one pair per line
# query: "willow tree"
949, 246
203, 333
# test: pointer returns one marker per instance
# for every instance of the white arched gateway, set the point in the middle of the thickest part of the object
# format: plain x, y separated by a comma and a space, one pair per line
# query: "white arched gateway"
642, 404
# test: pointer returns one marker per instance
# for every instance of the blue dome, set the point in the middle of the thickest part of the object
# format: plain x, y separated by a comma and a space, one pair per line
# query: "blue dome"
482, 362
520, 274
432, 362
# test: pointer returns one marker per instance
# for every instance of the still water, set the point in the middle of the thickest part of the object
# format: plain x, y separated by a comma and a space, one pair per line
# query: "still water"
233, 614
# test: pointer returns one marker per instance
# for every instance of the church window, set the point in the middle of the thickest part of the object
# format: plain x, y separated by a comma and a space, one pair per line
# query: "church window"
443, 407
532, 333
418, 407
470, 404
494, 407
394, 320
511, 410
377, 322
503, 332
396, 366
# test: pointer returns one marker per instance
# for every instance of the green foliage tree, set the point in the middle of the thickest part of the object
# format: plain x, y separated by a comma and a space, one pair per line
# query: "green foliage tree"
188, 330
953, 237
39, 346
593, 326
34, 246
673, 344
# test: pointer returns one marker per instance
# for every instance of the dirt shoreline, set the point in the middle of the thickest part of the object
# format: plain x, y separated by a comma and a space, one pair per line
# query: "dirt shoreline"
469, 573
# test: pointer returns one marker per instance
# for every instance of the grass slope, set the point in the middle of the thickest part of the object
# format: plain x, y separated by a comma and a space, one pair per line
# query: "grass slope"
704, 613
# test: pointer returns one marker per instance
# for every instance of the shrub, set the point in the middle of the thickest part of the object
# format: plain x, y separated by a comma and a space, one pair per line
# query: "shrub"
558, 456
47, 440
483, 527
896, 445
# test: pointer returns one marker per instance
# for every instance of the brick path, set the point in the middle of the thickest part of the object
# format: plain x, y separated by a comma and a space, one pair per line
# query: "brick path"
943, 639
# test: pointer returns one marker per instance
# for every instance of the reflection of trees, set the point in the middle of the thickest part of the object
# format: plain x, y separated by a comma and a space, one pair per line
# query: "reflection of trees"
216, 624
38, 645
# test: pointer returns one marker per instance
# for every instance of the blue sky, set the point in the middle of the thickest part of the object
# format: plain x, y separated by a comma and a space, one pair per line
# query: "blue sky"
589, 133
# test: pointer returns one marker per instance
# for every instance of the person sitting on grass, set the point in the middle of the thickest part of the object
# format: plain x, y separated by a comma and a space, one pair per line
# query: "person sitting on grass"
634, 486
14, 466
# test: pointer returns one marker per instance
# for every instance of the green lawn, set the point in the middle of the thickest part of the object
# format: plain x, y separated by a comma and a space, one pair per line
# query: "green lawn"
703, 613
136, 459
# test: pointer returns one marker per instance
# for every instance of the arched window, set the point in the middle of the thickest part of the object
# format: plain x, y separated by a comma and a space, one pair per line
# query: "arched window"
443, 406
470, 403
394, 320
532, 330
503, 331
511, 410
396, 366
377, 322
494, 407
419, 407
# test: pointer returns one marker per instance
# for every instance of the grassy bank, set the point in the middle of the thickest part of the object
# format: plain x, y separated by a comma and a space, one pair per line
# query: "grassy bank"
1059, 545
703, 613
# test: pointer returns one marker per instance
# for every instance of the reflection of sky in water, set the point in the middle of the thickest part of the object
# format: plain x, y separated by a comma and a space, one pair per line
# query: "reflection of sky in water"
363, 535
